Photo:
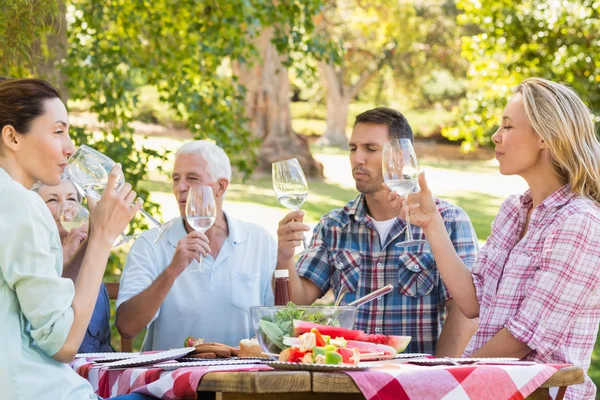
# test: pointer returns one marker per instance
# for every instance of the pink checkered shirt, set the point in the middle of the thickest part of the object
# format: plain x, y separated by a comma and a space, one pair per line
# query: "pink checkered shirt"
545, 288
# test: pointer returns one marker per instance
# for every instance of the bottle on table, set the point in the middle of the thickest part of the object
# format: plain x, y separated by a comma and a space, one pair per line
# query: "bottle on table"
282, 287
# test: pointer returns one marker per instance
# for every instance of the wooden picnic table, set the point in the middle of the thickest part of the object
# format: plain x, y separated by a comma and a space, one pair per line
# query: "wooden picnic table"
300, 385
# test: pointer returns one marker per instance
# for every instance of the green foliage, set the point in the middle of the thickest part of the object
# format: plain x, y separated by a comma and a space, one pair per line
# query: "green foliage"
406, 44
521, 39
185, 52
24, 25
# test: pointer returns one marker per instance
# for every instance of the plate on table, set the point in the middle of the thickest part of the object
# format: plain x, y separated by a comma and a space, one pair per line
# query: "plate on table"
412, 355
151, 358
210, 363
315, 367
102, 357
257, 360
466, 361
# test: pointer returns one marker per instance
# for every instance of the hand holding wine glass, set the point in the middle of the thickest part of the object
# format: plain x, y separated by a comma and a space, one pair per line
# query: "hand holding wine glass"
116, 208
290, 185
74, 219
400, 172
420, 205
200, 211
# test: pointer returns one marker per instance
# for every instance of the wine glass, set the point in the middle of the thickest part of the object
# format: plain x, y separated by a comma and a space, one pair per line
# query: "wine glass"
200, 212
89, 171
401, 173
290, 185
73, 215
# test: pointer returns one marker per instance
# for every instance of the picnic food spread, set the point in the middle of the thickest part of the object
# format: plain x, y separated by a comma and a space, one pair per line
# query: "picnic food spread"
209, 349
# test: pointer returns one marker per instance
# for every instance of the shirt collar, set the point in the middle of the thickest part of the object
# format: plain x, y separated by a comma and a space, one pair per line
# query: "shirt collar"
237, 231
5, 177
556, 199
358, 208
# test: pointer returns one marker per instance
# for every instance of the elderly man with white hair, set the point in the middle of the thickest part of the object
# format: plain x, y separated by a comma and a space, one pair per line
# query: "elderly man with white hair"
160, 292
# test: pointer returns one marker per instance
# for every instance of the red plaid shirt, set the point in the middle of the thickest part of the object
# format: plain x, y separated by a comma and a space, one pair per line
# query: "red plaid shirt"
545, 287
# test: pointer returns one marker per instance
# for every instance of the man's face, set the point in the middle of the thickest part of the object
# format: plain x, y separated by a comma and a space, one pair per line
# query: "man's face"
190, 170
366, 145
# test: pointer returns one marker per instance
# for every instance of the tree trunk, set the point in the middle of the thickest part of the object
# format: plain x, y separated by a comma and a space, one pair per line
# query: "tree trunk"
339, 97
267, 106
50, 53
338, 102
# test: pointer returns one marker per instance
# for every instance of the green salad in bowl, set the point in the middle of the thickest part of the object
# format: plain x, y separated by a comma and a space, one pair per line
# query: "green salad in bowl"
273, 324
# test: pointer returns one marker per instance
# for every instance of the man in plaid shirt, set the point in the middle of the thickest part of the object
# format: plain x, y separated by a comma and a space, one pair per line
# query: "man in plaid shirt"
356, 247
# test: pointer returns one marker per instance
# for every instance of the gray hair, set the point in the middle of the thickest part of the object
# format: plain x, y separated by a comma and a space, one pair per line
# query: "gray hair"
64, 177
219, 165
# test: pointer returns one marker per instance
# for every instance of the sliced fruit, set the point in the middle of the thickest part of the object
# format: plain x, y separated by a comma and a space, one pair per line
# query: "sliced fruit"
349, 356
318, 337
399, 343
296, 355
317, 351
372, 351
332, 357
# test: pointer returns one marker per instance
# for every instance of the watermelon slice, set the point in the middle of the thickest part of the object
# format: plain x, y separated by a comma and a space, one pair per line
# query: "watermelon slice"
372, 351
398, 343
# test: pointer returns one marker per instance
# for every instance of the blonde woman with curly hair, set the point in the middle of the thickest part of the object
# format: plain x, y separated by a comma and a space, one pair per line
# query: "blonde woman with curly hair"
536, 283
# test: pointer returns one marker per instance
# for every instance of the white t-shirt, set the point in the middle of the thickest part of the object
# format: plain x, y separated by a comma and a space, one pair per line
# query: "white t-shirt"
213, 304
383, 228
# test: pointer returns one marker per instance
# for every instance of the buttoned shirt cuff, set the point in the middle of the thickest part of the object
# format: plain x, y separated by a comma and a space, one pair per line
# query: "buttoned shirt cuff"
530, 332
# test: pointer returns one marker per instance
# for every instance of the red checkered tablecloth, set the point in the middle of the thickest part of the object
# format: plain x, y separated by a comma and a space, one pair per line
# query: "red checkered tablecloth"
489, 382
181, 383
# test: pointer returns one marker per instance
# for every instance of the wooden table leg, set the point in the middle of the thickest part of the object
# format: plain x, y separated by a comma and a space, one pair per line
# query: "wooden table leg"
561, 393
539, 394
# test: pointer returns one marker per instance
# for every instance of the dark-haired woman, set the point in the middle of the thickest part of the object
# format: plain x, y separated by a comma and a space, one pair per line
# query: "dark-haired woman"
45, 317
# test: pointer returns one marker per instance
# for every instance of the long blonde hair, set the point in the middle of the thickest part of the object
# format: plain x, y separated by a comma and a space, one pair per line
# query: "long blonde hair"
559, 116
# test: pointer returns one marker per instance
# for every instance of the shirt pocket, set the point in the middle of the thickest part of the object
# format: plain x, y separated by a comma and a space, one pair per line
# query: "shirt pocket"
245, 290
346, 270
416, 275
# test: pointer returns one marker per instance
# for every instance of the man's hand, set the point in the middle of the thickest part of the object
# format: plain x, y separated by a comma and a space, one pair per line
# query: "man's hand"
73, 241
289, 234
189, 248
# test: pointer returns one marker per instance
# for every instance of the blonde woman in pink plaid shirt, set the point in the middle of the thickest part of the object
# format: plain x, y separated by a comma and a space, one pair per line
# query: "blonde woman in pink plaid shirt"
536, 283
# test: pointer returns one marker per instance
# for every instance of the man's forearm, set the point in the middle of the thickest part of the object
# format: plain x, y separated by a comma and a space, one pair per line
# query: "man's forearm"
136, 313
456, 332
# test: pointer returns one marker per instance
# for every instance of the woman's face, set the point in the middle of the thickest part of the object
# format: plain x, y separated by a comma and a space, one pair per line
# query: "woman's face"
519, 150
42, 152
57, 196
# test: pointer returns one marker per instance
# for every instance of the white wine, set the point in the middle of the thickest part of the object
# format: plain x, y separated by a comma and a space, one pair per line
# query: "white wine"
201, 224
293, 201
68, 225
94, 189
402, 186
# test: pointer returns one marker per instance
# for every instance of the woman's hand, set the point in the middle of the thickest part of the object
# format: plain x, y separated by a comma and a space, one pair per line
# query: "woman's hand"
111, 215
422, 207
73, 241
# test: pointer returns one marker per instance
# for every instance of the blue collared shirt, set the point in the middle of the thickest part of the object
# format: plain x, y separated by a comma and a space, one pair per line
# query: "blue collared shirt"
213, 304
35, 302
97, 337
346, 250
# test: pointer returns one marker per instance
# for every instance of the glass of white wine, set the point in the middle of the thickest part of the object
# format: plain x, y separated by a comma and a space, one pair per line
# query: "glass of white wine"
200, 212
400, 171
290, 185
73, 215
89, 171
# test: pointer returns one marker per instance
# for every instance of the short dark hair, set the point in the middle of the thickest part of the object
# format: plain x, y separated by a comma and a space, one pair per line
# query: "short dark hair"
398, 126
22, 101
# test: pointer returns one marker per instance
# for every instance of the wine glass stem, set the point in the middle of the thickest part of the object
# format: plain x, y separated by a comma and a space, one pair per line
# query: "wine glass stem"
409, 236
150, 219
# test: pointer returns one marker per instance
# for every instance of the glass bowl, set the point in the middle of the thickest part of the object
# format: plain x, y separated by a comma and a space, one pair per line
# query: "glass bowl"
272, 324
